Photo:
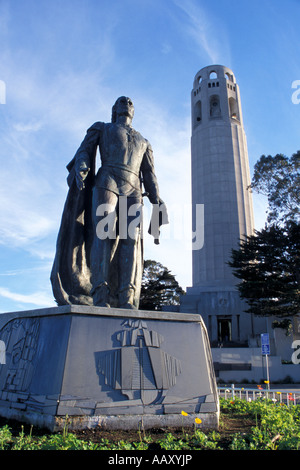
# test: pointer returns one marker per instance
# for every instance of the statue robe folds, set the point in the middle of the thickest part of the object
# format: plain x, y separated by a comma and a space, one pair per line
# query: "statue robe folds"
71, 276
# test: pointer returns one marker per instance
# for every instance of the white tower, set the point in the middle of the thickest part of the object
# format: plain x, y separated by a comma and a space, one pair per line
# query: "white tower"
220, 178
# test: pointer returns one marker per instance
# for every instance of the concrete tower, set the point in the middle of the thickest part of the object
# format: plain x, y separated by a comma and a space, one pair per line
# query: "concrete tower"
220, 177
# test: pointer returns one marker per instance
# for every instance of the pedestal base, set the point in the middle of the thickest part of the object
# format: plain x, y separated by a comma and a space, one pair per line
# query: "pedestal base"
119, 369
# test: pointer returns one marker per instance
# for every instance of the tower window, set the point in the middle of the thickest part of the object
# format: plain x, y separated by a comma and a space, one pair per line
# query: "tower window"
197, 113
213, 75
215, 109
233, 109
229, 77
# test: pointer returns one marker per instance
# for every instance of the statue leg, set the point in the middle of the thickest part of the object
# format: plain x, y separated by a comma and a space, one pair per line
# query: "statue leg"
128, 258
127, 267
104, 222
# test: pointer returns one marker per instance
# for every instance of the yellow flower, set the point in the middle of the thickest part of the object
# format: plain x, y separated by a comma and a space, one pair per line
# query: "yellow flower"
184, 413
266, 381
198, 420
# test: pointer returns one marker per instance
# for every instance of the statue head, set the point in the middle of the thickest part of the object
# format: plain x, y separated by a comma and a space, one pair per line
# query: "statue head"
122, 107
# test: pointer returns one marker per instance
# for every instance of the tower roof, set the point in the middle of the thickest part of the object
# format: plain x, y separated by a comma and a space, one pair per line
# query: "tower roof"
213, 71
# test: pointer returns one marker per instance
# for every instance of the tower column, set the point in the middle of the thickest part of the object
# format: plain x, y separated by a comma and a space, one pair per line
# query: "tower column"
220, 178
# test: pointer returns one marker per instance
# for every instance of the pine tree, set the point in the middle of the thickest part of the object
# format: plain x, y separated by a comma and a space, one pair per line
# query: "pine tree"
159, 287
268, 265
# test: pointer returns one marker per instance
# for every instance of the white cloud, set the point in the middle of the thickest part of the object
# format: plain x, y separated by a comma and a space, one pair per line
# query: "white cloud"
40, 120
28, 126
207, 33
40, 299
26, 208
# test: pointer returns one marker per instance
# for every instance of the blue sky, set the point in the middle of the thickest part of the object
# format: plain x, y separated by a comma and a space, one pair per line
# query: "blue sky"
65, 62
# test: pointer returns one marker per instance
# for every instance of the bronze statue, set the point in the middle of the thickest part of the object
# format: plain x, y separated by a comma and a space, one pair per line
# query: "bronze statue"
99, 252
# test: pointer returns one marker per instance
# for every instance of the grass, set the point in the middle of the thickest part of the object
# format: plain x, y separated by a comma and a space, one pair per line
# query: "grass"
256, 425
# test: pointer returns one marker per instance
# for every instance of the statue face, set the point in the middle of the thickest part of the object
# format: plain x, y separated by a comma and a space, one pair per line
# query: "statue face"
124, 107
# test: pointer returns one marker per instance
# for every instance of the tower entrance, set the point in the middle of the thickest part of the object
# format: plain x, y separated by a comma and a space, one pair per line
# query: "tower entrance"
224, 330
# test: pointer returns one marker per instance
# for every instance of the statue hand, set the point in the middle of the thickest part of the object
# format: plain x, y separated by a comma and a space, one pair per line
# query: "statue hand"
81, 175
159, 201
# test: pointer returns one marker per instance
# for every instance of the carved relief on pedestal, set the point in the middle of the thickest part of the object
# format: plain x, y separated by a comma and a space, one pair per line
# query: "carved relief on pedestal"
140, 369
20, 337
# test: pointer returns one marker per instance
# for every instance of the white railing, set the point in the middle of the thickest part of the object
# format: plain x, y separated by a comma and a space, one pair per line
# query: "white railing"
277, 395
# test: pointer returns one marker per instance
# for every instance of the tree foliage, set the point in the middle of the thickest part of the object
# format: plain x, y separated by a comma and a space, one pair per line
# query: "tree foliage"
278, 178
159, 287
268, 262
268, 265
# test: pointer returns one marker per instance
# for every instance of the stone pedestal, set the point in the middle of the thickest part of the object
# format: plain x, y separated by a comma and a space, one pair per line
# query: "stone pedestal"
119, 369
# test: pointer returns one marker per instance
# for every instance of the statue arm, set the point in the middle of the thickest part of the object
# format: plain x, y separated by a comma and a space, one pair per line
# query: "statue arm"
159, 213
86, 153
149, 177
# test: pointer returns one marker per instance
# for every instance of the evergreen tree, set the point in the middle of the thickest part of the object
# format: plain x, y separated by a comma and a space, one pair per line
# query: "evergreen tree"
268, 265
159, 287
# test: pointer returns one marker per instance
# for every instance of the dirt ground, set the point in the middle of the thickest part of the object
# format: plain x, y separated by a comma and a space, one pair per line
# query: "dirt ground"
227, 428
